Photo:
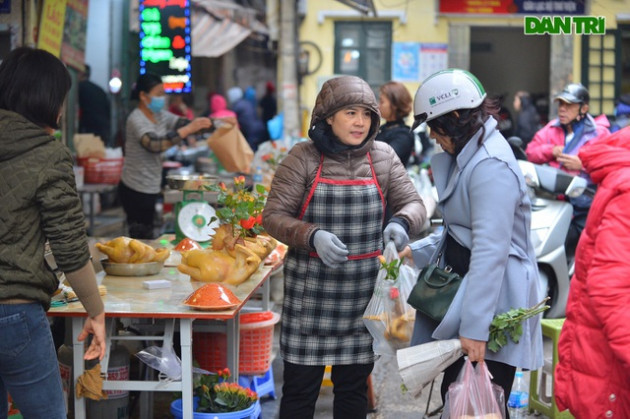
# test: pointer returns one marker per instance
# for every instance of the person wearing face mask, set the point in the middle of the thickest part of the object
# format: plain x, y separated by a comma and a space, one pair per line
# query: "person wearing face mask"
486, 236
326, 203
559, 142
150, 130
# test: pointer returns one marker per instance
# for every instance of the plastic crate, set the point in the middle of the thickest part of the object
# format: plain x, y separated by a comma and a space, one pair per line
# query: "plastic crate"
97, 170
256, 344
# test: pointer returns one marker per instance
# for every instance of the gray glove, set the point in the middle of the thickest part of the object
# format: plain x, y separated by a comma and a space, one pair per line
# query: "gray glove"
330, 249
396, 233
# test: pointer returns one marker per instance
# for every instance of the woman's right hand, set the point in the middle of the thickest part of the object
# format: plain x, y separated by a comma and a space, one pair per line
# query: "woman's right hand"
96, 327
196, 125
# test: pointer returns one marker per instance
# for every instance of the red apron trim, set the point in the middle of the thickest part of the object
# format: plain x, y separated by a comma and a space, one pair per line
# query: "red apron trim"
312, 191
346, 182
378, 186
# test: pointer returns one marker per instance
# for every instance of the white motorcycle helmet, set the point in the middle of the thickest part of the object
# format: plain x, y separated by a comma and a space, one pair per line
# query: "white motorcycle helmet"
446, 91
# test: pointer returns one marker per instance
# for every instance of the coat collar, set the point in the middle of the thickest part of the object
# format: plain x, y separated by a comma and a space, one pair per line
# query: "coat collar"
449, 168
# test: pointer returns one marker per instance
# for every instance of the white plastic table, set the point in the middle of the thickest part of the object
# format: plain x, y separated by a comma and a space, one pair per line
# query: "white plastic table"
127, 298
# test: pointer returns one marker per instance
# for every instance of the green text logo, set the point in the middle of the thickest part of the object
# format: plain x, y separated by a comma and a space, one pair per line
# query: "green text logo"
556, 25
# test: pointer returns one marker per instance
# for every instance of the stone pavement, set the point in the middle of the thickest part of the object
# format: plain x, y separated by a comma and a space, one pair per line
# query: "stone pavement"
391, 401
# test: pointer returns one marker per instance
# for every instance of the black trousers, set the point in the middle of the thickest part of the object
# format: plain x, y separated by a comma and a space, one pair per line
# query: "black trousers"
301, 390
140, 210
502, 375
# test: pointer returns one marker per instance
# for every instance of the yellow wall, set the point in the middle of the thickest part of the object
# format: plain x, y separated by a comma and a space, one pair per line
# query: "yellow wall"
422, 25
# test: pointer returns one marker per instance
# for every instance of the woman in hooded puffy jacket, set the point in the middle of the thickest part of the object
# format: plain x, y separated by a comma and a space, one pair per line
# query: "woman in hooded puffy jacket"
326, 203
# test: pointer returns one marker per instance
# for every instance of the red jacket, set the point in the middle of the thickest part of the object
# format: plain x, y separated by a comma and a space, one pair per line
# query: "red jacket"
592, 378
540, 149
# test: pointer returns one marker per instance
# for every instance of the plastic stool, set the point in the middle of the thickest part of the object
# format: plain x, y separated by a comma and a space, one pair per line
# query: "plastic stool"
327, 382
538, 399
261, 384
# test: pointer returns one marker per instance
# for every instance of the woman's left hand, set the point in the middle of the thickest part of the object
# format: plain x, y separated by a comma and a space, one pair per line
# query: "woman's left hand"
475, 349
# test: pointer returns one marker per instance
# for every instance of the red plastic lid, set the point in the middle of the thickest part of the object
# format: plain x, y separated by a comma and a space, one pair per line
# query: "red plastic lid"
256, 317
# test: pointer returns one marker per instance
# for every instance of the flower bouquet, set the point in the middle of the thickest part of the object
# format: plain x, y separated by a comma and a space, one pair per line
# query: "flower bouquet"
215, 396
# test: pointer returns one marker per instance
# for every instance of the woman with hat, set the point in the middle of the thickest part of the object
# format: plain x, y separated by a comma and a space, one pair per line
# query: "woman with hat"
327, 202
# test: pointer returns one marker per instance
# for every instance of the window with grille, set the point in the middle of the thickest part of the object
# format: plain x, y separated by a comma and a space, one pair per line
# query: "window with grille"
601, 70
363, 49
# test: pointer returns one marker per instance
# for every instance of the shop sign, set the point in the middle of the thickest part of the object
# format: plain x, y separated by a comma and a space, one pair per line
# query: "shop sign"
74, 34
165, 42
503, 7
51, 26
5, 6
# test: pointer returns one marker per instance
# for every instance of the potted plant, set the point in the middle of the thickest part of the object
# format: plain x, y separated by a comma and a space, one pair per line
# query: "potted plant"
240, 208
217, 398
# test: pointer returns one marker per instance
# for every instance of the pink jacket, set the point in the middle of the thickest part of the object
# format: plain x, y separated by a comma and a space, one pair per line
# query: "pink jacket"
592, 378
540, 149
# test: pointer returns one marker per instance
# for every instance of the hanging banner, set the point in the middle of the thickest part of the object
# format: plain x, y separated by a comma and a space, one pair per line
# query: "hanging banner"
74, 34
165, 42
502, 7
51, 26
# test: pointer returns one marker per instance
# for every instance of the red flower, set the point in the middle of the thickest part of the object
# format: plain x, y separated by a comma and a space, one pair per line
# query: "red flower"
248, 223
394, 293
259, 219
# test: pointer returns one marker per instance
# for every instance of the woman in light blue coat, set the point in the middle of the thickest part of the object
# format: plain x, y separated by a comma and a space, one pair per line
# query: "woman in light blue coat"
486, 236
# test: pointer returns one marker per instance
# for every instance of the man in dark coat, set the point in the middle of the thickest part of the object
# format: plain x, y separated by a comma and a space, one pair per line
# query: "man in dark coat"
94, 108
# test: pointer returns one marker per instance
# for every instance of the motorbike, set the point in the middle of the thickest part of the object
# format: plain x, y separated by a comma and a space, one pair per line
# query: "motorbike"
551, 219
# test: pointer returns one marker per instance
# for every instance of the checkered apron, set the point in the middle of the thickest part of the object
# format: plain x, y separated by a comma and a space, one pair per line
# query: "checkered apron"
322, 318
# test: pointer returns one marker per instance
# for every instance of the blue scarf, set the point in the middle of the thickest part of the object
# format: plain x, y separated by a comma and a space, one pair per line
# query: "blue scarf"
578, 129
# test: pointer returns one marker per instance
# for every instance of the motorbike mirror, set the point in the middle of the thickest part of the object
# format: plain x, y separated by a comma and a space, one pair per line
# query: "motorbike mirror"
529, 173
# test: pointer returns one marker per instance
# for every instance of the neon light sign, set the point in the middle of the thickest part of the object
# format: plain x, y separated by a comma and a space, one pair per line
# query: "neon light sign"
165, 42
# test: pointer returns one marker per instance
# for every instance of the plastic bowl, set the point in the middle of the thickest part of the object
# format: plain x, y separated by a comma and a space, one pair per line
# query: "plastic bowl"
132, 269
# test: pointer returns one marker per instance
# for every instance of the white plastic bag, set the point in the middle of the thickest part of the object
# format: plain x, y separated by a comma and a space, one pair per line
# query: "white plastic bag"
388, 317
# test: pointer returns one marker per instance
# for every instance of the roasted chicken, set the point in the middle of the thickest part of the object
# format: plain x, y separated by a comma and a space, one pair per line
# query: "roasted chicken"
127, 250
219, 266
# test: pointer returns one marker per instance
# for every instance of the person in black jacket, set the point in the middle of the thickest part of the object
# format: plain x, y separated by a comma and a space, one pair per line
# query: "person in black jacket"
527, 118
395, 104
94, 108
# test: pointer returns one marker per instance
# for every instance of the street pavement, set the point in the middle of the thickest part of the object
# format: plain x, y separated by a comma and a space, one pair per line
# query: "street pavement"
391, 401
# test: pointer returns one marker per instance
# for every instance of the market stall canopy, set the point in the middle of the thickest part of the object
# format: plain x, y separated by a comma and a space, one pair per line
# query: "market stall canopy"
220, 25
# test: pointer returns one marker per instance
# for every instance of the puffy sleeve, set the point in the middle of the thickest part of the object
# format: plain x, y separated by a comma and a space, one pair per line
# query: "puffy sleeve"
288, 188
402, 195
608, 277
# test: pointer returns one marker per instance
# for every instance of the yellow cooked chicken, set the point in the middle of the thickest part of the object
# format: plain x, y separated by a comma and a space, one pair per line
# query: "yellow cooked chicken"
127, 250
218, 266
224, 239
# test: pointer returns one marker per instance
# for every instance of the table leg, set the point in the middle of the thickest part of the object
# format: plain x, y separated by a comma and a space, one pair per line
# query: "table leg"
185, 336
233, 342
266, 291
77, 366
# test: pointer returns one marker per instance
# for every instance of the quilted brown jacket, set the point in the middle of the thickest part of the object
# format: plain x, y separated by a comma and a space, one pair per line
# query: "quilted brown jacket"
296, 174
39, 203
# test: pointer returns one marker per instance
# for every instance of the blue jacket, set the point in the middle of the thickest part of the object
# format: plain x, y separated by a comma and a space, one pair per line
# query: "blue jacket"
483, 200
